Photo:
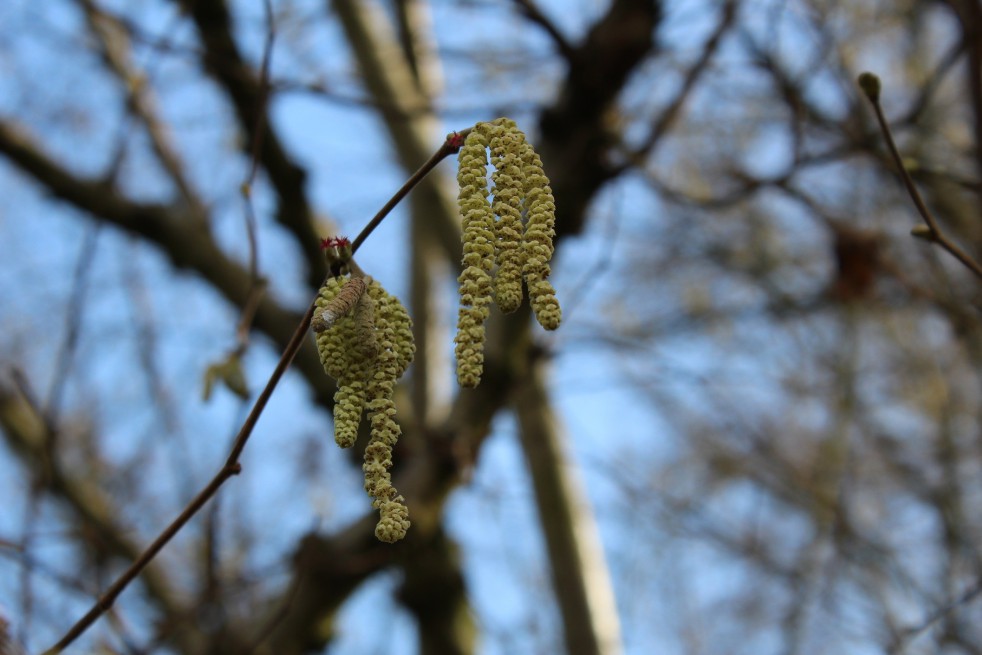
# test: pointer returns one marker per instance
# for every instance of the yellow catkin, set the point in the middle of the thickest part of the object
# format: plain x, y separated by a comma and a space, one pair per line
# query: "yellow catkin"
350, 397
330, 345
537, 243
393, 520
366, 349
506, 143
393, 329
478, 260
345, 355
403, 346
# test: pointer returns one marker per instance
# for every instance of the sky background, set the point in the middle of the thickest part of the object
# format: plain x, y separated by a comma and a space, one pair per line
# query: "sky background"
294, 478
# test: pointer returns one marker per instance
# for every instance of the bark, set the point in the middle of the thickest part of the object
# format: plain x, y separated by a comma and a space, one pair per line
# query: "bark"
580, 578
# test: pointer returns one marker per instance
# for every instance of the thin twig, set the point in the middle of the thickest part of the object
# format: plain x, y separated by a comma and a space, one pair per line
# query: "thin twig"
232, 466
258, 284
910, 633
73, 320
671, 112
535, 15
449, 147
870, 85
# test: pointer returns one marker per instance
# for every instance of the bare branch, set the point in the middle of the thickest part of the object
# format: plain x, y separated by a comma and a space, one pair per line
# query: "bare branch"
668, 116
581, 581
31, 435
930, 231
232, 466
183, 237
576, 136
112, 35
224, 62
531, 11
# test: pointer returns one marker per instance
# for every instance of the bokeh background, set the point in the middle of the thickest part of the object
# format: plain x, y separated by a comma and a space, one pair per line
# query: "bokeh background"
756, 431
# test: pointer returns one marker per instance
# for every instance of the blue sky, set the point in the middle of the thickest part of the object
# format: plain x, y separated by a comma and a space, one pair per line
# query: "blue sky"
618, 434
341, 149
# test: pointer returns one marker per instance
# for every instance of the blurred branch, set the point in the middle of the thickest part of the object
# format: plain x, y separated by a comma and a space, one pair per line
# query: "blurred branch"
669, 114
183, 237
73, 320
326, 571
901, 641
932, 82
581, 581
251, 224
414, 21
576, 138
224, 62
531, 11
31, 435
433, 590
399, 80
232, 466
969, 14
113, 37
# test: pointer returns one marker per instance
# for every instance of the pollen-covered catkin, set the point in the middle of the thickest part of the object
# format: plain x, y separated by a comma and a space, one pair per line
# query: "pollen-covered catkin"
508, 178
478, 261
366, 350
498, 253
349, 399
393, 520
537, 244
345, 356
393, 329
330, 345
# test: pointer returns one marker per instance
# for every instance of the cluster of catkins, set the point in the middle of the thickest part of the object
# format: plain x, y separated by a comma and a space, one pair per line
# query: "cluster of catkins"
364, 335
365, 341
505, 241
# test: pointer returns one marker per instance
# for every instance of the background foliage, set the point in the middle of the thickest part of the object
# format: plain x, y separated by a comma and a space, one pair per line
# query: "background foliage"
755, 432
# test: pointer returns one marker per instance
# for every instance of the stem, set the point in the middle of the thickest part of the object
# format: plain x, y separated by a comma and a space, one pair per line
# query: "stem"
232, 466
935, 234
449, 147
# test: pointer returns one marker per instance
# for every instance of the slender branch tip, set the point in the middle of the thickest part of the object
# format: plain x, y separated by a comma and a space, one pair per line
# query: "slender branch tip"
922, 231
870, 84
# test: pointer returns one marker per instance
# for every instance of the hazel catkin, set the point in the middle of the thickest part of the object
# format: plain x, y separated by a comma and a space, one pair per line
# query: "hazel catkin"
499, 252
508, 179
478, 260
366, 349
537, 242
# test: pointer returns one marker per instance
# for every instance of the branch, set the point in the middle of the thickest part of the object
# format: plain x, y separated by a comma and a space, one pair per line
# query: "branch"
969, 14
576, 135
434, 591
930, 230
258, 287
33, 437
531, 11
183, 237
112, 35
245, 90
232, 466
698, 68
580, 578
